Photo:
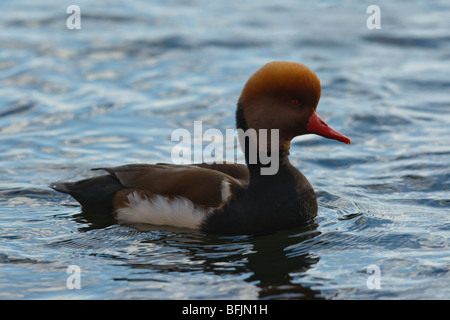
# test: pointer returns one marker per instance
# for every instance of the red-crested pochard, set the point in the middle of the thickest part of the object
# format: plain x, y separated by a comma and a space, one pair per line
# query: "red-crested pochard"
225, 198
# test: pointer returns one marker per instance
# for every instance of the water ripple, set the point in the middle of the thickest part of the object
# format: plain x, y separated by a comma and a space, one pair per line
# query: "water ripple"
113, 92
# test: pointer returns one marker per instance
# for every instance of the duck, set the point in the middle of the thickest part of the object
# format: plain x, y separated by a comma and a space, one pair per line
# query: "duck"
225, 198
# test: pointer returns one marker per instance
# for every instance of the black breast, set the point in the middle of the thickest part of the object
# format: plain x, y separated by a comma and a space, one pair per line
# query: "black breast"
270, 203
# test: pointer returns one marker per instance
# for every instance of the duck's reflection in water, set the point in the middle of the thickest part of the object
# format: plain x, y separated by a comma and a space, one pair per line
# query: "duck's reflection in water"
273, 263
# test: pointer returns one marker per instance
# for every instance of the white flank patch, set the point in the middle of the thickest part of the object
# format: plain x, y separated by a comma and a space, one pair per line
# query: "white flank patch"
160, 210
225, 187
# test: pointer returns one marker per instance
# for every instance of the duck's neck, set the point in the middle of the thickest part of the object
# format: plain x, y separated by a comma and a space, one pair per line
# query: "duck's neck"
260, 162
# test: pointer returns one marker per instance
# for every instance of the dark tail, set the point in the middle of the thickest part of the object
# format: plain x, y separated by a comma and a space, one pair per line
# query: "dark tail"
94, 194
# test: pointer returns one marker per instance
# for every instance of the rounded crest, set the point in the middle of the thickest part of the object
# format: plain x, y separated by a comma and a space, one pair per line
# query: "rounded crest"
283, 78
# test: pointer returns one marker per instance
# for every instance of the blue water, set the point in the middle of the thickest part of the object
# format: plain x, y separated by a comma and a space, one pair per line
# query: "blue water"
112, 93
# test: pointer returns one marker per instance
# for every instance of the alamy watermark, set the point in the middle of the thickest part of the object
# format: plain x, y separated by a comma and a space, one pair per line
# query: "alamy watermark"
262, 146
74, 20
374, 20
374, 280
74, 280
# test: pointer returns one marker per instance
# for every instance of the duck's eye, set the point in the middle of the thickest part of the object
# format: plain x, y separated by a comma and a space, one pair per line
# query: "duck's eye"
295, 101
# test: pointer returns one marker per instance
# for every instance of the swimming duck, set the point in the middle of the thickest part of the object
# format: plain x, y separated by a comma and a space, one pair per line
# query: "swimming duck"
225, 198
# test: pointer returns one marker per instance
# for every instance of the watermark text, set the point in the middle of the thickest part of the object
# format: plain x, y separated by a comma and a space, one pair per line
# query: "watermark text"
374, 20
262, 146
374, 280
74, 280
74, 20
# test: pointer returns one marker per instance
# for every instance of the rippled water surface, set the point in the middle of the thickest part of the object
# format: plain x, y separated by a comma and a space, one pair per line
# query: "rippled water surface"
113, 92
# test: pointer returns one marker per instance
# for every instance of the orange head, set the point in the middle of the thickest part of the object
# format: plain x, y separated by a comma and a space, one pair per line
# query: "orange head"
284, 95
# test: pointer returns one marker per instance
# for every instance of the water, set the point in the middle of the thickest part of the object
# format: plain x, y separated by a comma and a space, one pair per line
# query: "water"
113, 92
